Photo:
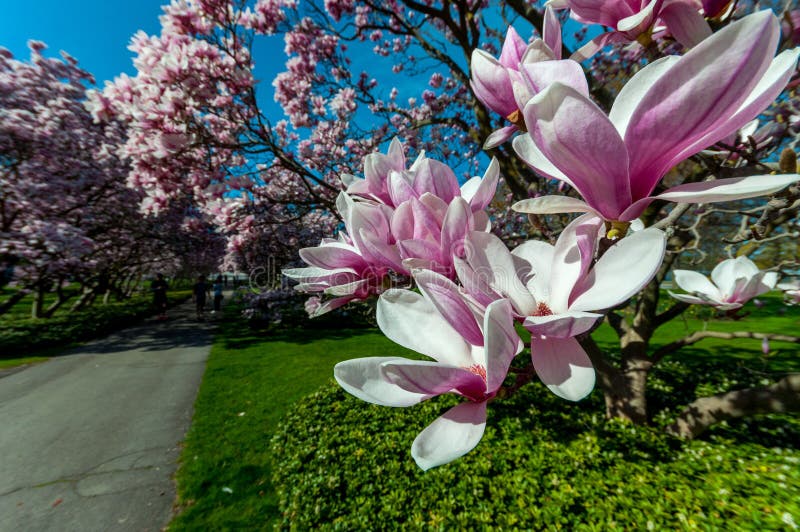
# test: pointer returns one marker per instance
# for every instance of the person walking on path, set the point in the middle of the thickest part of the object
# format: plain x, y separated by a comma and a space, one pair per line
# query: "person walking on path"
217, 288
199, 293
159, 288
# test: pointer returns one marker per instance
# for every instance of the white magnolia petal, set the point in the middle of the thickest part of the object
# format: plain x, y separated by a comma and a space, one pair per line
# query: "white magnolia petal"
621, 272
402, 314
552, 205
730, 189
564, 325
697, 283
563, 366
451, 436
689, 299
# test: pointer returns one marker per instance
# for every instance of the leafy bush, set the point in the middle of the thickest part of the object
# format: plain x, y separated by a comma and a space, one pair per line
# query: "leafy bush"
287, 307
340, 463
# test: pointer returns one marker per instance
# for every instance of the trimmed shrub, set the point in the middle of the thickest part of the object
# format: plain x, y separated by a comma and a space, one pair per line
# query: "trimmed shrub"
543, 463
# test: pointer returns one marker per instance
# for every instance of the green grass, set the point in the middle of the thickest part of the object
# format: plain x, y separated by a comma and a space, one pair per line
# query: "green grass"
24, 340
251, 380
254, 378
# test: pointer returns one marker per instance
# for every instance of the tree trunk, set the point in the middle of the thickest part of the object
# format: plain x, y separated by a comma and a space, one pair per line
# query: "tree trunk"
626, 399
38, 301
6, 305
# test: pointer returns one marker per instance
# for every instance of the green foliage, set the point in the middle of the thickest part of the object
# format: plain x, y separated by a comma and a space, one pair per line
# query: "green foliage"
337, 462
20, 336
543, 463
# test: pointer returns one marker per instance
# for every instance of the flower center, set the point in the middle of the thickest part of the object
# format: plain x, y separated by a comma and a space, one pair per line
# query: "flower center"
542, 310
478, 370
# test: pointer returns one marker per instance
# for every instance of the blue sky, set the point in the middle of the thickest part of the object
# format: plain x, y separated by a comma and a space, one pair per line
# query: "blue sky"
95, 32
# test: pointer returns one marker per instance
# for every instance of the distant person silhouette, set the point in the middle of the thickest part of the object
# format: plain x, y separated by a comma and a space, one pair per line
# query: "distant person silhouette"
159, 287
217, 289
199, 292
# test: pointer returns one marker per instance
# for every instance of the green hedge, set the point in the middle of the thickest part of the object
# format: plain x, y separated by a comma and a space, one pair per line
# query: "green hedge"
543, 463
23, 336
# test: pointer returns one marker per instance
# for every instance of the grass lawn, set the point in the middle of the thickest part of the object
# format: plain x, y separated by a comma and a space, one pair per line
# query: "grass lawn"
24, 340
254, 377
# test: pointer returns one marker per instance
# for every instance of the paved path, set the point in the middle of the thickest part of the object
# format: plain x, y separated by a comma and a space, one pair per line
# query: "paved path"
89, 440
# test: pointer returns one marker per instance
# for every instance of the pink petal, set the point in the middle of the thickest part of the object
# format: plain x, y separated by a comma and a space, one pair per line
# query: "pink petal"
490, 258
640, 21
768, 88
451, 436
527, 150
551, 32
491, 83
541, 75
571, 259
479, 192
445, 296
502, 343
438, 179
457, 224
685, 23
563, 366
432, 378
578, 138
499, 136
513, 49
400, 189
708, 83
331, 257
363, 377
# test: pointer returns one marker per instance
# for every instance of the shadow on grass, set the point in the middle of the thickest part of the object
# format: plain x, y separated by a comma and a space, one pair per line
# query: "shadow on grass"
244, 337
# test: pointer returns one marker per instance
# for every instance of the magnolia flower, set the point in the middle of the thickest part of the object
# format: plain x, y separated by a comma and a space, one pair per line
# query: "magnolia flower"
735, 282
670, 110
557, 291
471, 356
505, 84
429, 233
632, 20
356, 264
386, 180
791, 291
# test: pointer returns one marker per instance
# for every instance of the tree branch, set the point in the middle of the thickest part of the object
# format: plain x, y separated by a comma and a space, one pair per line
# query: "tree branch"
695, 337
783, 396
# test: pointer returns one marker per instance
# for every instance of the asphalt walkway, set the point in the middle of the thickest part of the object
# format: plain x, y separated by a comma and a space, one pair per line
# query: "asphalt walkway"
90, 440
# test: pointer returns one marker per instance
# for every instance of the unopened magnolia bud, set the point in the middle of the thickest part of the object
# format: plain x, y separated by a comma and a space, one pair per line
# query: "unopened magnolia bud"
788, 161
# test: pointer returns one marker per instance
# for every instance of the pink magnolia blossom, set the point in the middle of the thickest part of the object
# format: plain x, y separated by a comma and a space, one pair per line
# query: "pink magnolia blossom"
556, 291
633, 20
668, 111
471, 353
791, 291
733, 283
355, 265
386, 180
505, 84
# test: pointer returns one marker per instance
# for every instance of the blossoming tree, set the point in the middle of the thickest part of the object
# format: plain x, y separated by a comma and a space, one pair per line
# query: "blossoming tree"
644, 138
